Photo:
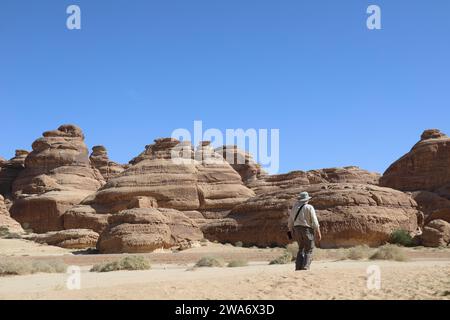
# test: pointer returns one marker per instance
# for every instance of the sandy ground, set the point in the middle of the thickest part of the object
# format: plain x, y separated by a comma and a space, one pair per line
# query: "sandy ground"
425, 276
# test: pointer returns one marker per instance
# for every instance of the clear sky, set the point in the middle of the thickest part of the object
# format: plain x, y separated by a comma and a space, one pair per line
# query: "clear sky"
137, 70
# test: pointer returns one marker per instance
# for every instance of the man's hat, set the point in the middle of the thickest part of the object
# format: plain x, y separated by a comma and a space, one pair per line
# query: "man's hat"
304, 196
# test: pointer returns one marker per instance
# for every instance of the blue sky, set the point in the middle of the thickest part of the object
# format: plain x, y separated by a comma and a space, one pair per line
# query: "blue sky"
137, 70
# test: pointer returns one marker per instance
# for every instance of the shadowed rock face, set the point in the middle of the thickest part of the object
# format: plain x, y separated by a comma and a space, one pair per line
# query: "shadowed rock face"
350, 214
100, 160
205, 184
9, 170
6, 222
57, 175
425, 171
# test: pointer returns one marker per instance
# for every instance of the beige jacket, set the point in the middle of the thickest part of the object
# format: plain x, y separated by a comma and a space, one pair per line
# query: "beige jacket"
306, 218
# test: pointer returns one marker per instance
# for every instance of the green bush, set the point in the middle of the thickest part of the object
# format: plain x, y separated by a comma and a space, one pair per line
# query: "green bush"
401, 237
238, 263
389, 252
210, 262
285, 258
16, 267
127, 263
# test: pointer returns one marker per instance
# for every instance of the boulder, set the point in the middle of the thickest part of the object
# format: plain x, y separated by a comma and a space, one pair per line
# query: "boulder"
85, 217
349, 214
6, 222
57, 175
69, 239
147, 229
425, 167
100, 160
436, 234
9, 170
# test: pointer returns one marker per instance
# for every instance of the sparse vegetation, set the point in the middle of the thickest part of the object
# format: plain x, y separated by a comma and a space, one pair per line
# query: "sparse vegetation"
238, 263
239, 244
210, 262
285, 258
292, 248
402, 237
6, 234
389, 252
356, 253
127, 263
15, 267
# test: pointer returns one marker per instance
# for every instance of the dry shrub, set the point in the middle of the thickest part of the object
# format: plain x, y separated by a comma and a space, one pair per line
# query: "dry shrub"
16, 267
389, 252
238, 263
127, 263
210, 262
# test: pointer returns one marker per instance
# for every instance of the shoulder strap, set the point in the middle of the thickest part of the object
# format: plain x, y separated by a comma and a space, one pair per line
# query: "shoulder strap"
298, 212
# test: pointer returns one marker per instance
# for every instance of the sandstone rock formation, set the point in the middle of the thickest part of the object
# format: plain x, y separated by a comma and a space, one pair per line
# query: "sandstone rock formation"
6, 222
57, 175
9, 170
350, 214
183, 184
100, 160
147, 229
425, 171
242, 162
69, 239
271, 183
436, 234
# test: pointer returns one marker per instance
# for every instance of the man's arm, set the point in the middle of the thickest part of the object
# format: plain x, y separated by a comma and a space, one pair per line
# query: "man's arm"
315, 223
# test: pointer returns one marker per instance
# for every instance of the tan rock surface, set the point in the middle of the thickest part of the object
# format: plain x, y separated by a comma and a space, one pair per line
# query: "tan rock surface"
6, 222
57, 175
100, 160
436, 234
68, 239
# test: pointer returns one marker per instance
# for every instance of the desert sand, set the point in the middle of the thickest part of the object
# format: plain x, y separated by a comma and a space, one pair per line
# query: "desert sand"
425, 276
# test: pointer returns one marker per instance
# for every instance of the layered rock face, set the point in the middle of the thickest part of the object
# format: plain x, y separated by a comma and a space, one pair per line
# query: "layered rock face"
425, 171
69, 239
350, 214
9, 170
147, 229
6, 222
272, 183
183, 184
57, 175
100, 160
242, 162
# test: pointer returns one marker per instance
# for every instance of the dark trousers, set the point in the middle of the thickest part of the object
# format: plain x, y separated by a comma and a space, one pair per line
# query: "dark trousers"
305, 239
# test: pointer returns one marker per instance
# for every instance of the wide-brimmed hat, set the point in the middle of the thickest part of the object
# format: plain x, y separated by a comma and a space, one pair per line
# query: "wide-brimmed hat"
304, 196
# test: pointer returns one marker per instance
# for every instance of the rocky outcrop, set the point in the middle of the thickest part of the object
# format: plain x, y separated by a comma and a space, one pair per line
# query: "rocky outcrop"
350, 214
9, 170
197, 180
147, 229
242, 162
425, 167
100, 160
425, 171
436, 234
279, 182
69, 239
6, 222
57, 175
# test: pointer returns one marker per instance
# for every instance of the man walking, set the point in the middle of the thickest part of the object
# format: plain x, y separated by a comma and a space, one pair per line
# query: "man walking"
303, 225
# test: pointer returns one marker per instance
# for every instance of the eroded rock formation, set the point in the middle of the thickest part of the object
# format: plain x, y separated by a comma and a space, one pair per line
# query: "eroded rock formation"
69, 239
100, 160
57, 175
436, 234
350, 214
9, 170
6, 222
